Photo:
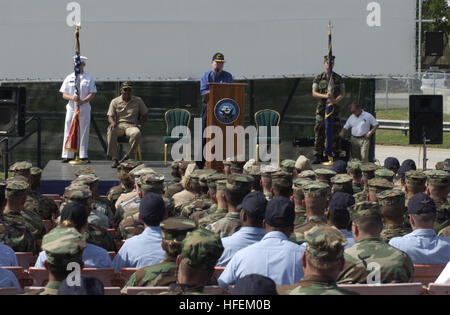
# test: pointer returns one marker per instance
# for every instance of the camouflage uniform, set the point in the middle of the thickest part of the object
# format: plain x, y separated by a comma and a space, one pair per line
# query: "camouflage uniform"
218, 213
314, 190
130, 225
368, 169
200, 251
321, 84
94, 234
379, 184
62, 245
395, 265
165, 273
445, 232
308, 174
17, 186
211, 182
45, 207
17, 236
354, 168
236, 183
440, 178
392, 197
196, 202
324, 244
300, 212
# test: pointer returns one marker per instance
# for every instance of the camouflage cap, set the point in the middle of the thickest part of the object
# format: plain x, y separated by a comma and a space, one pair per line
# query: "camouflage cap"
440, 165
302, 164
194, 177
385, 173
354, 166
17, 177
324, 174
85, 170
391, 197
437, 177
248, 165
300, 182
201, 249
316, 189
87, 179
325, 243
128, 165
282, 179
176, 228
150, 181
414, 177
267, 170
379, 184
237, 166
63, 245
2, 183
21, 168
363, 209
77, 192
221, 184
16, 187
213, 178
308, 174
254, 170
203, 177
343, 183
239, 182
368, 169
35, 171
288, 165
139, 171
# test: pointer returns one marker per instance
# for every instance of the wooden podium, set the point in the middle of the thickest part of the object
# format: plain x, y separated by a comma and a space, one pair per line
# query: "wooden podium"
224, 95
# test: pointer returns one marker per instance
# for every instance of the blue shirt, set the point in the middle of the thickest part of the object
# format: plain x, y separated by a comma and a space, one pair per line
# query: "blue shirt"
7, 256
141, 250
93, 257
9, 280
274, 256
347, 233
424, 247
246, 236
208, 76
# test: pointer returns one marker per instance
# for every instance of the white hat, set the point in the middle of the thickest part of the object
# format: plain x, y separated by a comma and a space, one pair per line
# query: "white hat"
303, 163
82, 58
249, 164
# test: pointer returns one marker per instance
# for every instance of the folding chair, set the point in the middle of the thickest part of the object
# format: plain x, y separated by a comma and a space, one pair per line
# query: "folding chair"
105, 275
427, 273
151, 290
125, 274
112, 255
20, 274
439, 289
25, 259
9, 291
385, 289
39, 276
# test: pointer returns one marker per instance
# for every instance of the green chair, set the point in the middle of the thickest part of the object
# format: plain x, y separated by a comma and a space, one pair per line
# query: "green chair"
268, 118
174, 117
125, 140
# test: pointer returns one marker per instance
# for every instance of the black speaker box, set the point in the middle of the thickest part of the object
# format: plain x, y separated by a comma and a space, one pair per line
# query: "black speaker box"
12, 111
425, 115
434, 44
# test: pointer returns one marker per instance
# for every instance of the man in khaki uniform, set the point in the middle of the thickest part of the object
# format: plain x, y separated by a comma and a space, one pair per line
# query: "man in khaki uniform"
125, 114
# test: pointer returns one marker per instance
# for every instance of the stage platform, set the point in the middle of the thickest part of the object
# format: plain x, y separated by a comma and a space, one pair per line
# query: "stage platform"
56, 176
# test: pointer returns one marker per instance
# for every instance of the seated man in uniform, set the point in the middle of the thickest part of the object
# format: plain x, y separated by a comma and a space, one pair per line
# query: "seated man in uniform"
126, 114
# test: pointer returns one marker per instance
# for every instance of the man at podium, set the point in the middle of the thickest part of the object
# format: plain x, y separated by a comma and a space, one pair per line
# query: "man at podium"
217, 75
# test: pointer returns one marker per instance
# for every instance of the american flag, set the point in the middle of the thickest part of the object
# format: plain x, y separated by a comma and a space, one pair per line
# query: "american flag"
77, 67
329, 108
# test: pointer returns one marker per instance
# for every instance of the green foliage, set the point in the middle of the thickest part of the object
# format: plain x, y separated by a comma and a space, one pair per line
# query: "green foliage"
439, 10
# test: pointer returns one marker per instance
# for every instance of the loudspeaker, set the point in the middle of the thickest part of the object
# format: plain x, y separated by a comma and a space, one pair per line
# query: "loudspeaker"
12, 111
425, 115
434, 43
187, 95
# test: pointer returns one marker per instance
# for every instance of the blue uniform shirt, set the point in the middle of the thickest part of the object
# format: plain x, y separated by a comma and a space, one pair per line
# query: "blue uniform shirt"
9, 280
424, 247
93, 257
246, 236
208, 76
274, 256
141, 250
7, 256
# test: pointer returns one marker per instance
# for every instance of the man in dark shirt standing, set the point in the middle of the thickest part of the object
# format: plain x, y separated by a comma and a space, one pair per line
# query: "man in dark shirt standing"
217, 75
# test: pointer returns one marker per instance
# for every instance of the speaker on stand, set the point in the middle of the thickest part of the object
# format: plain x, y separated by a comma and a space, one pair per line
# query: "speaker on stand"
425, 121
12, 111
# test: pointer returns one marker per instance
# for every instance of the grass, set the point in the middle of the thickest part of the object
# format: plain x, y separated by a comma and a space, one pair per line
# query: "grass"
397, 137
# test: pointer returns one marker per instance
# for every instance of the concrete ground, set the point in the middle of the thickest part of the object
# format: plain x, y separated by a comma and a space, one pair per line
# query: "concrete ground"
414, 153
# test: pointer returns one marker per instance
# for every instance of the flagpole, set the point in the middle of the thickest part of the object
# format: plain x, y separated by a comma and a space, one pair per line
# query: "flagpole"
77, 160
329, 108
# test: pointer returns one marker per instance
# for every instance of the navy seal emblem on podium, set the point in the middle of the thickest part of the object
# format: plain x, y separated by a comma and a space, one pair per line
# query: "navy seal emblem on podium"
226, 111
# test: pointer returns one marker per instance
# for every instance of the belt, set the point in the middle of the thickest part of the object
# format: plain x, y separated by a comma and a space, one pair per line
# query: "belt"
357, 137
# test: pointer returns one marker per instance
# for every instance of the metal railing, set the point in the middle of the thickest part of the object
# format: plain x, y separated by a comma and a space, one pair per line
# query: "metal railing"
6, 149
